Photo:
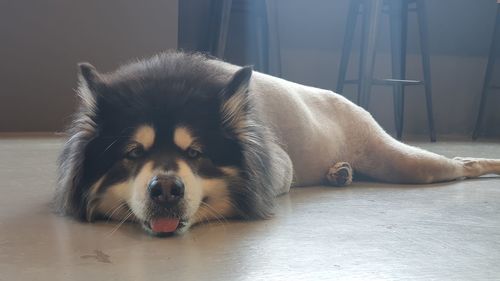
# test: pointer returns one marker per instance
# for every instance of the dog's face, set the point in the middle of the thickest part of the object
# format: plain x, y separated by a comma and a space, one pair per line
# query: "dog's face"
156, 145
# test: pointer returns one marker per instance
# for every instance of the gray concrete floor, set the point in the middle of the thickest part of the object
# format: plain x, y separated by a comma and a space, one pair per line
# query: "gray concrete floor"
369, 231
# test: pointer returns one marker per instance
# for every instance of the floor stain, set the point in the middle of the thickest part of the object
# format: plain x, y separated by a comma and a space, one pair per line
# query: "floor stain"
99, 256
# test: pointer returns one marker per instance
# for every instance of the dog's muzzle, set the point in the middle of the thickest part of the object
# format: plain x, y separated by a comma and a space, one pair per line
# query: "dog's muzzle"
166, 192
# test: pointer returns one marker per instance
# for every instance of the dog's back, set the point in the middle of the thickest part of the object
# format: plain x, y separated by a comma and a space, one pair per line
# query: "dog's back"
318, 128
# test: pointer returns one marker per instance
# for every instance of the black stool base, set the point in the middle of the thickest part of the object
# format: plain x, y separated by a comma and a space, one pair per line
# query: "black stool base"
370, 11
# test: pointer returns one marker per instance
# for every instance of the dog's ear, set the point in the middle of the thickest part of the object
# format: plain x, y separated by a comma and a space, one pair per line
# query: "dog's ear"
71, 194
89, 75
239, 83
91, 83
235, 100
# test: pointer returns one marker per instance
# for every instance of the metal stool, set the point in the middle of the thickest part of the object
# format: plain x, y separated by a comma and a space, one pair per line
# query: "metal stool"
266, 16
488, 86
371, 11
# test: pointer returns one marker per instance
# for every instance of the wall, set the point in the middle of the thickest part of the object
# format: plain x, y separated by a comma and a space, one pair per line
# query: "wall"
311, 34
42, 41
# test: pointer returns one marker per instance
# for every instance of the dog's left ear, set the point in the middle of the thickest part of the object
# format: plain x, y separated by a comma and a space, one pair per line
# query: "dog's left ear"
235, 101
239, 83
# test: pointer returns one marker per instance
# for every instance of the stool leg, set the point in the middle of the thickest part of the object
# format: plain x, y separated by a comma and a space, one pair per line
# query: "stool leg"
274, 54
488, 76
350, 27
422, 24
213, 29
398, 20
261, 40
373, 9
362, 56
223, 27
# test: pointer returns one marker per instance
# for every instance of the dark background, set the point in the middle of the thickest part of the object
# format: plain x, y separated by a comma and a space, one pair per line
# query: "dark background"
43, 40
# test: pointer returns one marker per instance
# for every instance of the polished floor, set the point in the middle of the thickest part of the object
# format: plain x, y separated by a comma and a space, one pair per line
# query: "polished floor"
369, 231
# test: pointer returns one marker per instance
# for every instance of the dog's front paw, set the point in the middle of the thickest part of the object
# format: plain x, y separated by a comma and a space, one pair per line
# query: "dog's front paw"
340, 174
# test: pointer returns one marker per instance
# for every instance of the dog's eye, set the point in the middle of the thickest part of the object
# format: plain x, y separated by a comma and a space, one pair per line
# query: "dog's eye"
135, 152
193, 153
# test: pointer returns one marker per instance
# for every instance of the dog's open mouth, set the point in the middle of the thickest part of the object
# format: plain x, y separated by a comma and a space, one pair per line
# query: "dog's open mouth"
164, 226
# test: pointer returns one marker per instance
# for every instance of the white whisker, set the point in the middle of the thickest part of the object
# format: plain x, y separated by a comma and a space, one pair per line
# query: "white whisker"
113, 210
218, 216
120, 224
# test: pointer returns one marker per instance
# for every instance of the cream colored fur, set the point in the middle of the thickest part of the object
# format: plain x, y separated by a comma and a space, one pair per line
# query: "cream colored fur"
318, 128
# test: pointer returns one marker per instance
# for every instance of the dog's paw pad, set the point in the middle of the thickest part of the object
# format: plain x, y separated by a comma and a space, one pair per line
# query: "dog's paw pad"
340, 174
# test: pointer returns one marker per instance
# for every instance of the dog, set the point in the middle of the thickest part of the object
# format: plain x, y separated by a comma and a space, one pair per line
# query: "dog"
182, 138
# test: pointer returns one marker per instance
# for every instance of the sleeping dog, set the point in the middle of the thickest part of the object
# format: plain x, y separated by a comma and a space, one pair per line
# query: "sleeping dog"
179, 138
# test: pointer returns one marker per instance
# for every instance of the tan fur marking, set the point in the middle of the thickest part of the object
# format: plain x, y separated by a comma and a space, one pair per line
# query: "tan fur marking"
112, 202
145, 135
95, 187
219, 204
193, 192
183, 137
231, 171
138, 193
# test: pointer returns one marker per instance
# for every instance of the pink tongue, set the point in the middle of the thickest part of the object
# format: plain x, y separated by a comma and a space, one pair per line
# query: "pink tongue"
164, 225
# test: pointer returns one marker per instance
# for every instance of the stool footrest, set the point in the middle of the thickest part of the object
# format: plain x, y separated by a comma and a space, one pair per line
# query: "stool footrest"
390, 82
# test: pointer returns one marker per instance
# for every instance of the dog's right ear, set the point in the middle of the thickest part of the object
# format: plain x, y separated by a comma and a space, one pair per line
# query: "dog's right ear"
89, 75
72, 192
90, 84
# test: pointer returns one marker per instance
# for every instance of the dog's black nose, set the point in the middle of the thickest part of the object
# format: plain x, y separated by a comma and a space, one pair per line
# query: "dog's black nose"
166, 190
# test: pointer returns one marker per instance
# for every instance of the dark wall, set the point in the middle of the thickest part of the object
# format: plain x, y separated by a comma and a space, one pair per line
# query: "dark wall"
311, 36
41, 42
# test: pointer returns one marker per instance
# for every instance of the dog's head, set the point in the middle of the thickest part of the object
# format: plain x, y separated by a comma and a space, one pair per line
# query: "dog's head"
167, 142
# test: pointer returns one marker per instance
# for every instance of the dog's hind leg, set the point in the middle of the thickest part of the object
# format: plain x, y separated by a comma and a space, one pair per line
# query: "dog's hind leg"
340, 174
475, 167
391, 161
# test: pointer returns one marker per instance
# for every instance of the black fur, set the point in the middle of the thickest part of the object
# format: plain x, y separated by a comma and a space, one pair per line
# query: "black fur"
167, 90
